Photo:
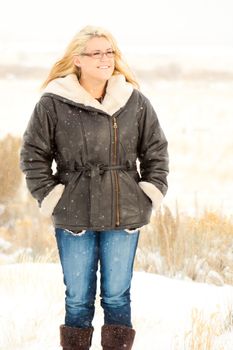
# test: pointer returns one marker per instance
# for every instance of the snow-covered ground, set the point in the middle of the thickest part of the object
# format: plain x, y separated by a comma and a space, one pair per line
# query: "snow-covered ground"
163, 310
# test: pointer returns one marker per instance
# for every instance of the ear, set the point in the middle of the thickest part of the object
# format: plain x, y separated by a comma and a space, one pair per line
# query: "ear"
76, 61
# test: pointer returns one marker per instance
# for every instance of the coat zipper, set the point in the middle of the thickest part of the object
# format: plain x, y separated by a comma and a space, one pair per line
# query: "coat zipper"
115, 172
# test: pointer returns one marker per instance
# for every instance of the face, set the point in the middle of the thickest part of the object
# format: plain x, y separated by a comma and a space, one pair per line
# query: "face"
94, 67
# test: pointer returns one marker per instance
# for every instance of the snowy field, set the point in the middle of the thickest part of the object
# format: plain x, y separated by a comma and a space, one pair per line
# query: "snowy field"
167, 314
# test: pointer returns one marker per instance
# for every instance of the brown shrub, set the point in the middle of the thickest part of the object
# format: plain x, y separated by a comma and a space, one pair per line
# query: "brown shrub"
10, 174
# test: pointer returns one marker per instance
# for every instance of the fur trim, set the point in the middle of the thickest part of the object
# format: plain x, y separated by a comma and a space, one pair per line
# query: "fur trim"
50, 201
153, 193
118, 92
80, 233
133, 230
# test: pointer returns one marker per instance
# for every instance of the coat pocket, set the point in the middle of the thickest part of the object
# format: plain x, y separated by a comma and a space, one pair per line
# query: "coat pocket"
144, 202
129, 207
63, 205
78, 200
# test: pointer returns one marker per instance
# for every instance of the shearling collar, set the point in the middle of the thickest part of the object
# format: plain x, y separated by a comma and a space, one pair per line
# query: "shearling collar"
117, 94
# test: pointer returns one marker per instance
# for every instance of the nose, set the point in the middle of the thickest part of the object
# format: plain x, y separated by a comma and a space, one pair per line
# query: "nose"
104, 56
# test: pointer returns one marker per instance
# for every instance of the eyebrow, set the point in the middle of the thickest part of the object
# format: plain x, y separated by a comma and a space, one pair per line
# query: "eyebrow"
110, 48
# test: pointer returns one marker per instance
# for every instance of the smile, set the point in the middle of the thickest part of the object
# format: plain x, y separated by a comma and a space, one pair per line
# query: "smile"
103, 67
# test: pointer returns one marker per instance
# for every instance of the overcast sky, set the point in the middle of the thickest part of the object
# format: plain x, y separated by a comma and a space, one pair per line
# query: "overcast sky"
134, 23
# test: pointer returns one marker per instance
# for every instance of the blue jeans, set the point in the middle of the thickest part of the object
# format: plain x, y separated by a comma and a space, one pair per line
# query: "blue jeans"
115, 251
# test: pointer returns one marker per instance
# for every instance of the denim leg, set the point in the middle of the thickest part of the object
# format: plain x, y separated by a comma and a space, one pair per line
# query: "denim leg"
79, 260
117, 252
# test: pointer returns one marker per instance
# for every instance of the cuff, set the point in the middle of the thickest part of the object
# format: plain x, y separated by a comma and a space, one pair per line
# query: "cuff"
153, 193
50, 201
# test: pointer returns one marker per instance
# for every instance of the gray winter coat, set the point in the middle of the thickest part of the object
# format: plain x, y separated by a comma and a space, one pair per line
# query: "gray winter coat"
95, 147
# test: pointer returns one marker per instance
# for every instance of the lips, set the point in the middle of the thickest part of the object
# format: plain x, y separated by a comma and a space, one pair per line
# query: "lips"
103, 67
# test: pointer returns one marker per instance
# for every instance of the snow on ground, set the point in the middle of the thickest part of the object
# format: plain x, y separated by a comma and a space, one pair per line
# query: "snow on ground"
32, 308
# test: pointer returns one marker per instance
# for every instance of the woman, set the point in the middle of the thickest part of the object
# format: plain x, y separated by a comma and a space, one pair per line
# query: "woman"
94, 122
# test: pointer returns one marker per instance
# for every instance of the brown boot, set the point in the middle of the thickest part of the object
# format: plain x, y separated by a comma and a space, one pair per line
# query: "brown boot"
116, 337
73, 338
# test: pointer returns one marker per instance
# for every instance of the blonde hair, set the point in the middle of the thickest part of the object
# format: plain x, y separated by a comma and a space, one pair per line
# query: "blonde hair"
66, 66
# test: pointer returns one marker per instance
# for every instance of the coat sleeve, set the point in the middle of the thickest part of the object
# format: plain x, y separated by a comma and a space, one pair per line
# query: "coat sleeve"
37, 153
152, 154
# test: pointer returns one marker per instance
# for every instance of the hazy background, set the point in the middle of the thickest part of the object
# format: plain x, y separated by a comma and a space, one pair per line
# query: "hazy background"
151, 23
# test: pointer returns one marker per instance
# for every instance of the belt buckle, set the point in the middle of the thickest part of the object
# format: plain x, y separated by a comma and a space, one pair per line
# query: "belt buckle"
94, 169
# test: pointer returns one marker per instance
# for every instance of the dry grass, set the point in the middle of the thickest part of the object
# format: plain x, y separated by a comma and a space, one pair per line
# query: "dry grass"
23, 231
184, 246
10, 174
204, 331
25, 234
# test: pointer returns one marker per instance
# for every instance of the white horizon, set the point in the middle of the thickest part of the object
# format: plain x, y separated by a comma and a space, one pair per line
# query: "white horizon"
153, 24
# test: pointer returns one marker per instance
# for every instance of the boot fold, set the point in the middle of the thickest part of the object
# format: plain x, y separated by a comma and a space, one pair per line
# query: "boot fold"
117, 337
73, 338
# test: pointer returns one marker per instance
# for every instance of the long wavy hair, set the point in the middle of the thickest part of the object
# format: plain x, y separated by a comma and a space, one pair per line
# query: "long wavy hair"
66, 66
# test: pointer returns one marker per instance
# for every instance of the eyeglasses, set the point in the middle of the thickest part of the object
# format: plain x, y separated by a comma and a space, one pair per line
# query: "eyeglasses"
99, 54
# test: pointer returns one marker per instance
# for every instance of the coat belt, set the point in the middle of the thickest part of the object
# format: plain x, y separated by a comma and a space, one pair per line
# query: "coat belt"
94, 171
